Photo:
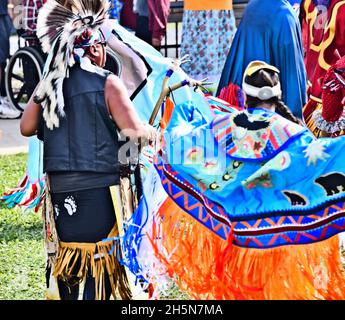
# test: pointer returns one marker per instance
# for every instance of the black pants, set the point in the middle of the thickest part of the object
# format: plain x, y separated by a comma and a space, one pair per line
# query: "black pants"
2, 79
142, 30
88, 217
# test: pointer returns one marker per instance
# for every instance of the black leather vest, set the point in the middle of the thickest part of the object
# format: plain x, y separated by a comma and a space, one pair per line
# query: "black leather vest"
87, 138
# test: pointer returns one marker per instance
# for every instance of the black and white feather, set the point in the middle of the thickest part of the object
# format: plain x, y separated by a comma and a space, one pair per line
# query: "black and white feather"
57, 29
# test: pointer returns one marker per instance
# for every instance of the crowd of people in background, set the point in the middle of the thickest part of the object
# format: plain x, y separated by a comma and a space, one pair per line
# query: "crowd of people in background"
147, 18
208, 30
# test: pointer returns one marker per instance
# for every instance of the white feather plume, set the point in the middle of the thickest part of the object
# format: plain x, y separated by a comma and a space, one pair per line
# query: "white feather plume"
57, 29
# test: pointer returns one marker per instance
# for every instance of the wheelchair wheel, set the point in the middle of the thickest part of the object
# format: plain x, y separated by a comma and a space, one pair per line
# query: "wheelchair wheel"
23, 73
113, 63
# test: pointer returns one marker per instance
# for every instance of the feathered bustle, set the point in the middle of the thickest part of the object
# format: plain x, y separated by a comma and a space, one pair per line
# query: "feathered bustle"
59, 23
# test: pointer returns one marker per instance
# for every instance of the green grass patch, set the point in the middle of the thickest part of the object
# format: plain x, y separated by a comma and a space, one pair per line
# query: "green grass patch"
22, 259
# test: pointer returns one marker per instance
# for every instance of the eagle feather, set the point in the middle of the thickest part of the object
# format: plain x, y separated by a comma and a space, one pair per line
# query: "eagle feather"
57, 28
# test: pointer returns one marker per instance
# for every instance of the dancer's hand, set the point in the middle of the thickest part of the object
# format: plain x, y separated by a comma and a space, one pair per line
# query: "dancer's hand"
199, 83
156, 43
151, 134
179, 62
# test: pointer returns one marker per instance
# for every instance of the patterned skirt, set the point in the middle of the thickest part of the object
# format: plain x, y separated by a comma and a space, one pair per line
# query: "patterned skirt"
206, 37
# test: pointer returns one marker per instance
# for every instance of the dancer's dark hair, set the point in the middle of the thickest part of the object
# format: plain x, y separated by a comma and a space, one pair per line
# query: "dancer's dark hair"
263, 78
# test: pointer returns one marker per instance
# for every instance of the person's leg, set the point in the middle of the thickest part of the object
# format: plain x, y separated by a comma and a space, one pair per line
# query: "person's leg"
68, 286
90, 286
5, 34
6, 110
2, 77
84, 217
69, 290
101, 198
4, 44
142, 29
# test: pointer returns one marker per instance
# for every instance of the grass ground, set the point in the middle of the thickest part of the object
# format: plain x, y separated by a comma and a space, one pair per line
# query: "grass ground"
21, 241
22, 258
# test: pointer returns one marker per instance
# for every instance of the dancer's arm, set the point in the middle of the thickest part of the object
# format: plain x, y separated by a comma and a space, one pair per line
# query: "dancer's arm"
123, 113
31, 117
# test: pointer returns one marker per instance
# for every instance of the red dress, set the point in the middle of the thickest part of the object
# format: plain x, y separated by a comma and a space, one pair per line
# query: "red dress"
127, 17
324, 44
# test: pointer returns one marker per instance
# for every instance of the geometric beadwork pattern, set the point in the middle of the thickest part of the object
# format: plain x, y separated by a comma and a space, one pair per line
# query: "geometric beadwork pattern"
278, 132
264, 231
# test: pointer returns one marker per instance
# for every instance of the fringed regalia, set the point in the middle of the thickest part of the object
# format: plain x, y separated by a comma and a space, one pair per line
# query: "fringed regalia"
323, 41
142, 68
65, 31
236, 204
241, 204
29, 193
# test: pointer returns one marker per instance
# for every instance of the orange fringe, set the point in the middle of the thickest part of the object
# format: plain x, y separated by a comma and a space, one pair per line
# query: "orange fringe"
207, 267
168, 110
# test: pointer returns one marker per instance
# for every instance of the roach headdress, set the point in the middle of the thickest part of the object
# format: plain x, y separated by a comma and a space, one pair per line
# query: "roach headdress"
60, 27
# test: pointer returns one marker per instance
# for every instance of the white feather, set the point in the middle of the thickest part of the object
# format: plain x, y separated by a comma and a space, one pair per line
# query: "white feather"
60, 97
57, 22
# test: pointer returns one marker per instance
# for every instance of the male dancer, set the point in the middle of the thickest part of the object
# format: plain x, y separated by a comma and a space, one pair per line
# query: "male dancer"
83, 114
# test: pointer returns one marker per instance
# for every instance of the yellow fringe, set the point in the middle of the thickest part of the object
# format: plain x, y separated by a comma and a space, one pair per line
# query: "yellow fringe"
207, 267
75, 259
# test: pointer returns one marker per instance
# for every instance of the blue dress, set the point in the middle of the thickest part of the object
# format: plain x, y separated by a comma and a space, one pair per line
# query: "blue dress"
293, 2
3, 7
270, 31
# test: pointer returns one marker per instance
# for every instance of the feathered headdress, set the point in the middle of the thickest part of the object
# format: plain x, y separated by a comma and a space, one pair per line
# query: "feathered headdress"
60, 23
